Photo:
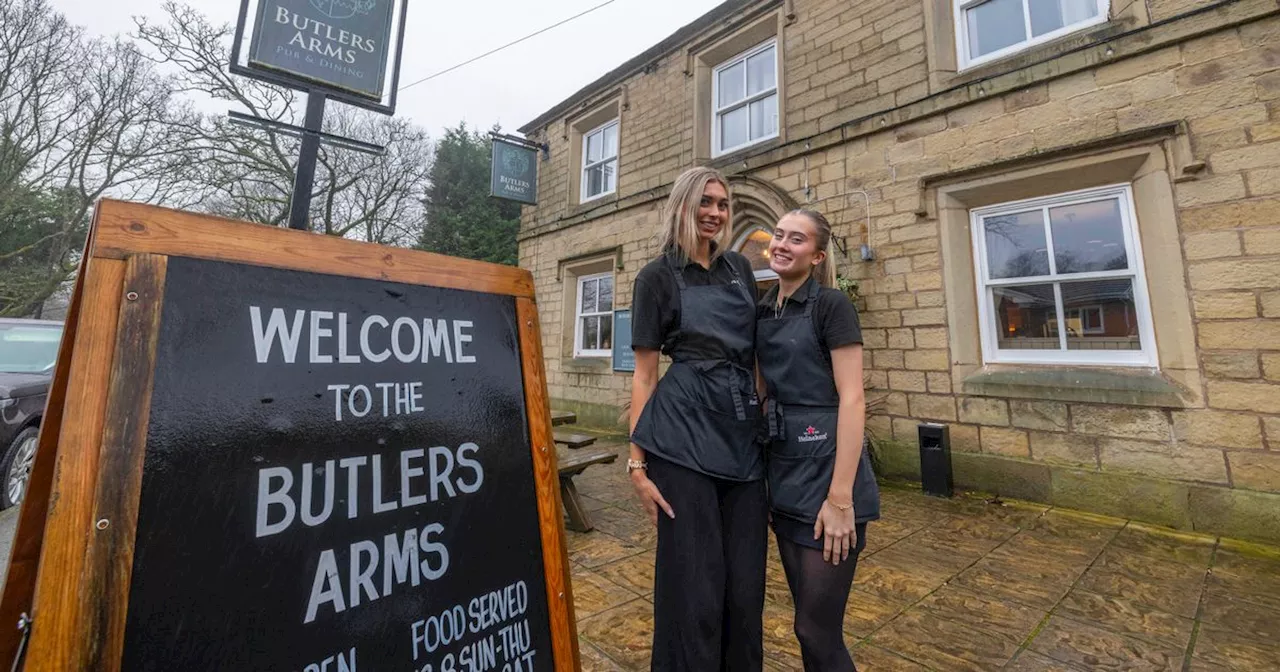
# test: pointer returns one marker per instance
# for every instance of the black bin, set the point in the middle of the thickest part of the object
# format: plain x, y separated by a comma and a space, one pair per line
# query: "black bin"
935, 460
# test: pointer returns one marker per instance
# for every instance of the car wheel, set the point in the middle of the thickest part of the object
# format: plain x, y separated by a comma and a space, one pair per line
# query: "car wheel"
16, 467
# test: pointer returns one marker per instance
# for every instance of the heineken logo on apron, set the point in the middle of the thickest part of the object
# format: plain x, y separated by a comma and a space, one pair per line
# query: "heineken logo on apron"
811, 434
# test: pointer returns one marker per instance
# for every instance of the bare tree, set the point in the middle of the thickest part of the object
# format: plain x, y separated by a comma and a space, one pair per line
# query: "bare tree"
79, 119
247, 173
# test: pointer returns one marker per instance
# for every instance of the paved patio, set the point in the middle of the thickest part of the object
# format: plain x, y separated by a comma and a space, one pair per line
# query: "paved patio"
967, 584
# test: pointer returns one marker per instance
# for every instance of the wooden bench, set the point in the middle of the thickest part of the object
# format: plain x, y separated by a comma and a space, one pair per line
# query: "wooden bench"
574, 441
572, 464
563, 418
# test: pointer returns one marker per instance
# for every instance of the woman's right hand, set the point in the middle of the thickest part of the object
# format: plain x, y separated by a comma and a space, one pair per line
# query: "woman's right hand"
650, 498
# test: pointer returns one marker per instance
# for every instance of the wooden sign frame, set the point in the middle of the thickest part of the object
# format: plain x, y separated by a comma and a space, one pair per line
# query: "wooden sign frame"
72, 558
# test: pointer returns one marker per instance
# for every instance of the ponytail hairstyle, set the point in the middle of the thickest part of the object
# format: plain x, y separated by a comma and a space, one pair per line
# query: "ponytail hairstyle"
825, 271
680, 214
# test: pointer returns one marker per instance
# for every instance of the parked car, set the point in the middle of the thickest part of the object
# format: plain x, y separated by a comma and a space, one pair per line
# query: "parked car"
28, 352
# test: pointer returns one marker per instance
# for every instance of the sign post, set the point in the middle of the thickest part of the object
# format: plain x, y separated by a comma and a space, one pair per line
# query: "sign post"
291, 452
339, 49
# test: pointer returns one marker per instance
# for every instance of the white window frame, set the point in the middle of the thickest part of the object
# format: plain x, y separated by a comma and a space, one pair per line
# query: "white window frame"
764, 274
989, 324
578, 350
962, 31
599, 130
717, 111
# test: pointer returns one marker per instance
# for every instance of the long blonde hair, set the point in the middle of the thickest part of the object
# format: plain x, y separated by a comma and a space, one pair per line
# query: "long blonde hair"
680, 213
825, 271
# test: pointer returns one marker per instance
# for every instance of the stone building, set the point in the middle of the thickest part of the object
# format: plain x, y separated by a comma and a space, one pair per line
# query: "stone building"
1071, 210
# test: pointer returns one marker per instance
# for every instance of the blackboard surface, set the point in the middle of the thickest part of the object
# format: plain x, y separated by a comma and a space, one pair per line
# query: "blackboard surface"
228, 576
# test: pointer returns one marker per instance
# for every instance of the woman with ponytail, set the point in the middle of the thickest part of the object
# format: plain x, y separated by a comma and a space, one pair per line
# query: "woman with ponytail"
821, 488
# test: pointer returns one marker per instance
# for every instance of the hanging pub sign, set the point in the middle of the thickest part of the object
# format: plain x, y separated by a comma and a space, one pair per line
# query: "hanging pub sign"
514, 172
348, 49
284, 451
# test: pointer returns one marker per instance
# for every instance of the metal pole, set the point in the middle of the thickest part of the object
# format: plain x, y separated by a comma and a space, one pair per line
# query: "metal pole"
300, 206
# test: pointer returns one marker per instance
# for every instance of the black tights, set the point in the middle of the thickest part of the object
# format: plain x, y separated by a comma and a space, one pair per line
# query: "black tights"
821, 592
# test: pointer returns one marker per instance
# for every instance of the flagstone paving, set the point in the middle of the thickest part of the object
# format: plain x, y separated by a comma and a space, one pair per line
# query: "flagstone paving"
968, 584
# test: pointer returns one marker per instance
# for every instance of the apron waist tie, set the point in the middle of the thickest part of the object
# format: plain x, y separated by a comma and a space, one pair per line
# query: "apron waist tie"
777, 418
737, 377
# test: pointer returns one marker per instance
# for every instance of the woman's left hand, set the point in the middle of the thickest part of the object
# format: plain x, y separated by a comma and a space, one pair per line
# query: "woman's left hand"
836, 529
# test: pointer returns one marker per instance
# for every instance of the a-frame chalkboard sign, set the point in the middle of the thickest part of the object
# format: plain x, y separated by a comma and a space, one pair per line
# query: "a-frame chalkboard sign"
267, 449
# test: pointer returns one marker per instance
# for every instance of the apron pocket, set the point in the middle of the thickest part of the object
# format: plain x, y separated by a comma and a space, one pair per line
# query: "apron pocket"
798, 485
807, 432
691, 433
866, 491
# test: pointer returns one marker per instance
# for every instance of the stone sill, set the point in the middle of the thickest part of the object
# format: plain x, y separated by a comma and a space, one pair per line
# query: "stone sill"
587, 365
1137, 387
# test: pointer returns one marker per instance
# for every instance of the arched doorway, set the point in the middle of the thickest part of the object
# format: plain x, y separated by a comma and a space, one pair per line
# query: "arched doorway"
757, 206
753, 243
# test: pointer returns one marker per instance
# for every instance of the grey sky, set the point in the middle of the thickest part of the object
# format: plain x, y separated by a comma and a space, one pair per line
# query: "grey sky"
510, 87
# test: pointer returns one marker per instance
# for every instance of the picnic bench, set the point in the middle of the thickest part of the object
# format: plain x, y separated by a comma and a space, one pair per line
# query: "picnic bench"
569, 439
572, 464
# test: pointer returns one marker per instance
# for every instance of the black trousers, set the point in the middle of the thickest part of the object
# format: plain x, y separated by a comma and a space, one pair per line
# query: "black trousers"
821, 592
708, 599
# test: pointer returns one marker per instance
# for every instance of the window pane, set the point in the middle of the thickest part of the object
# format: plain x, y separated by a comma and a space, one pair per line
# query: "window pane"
1101, 315
593, 147
732, 83
995, 25
1050, 15
589, 296
1015, 245
1088, 237
610, 141
606, 332
764, 117
1027, 316
733, 128
590, 333
762, 72
755, 248
608, 176
595, 181
606, 295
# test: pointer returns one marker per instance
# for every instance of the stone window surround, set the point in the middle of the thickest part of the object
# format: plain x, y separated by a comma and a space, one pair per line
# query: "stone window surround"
582, 167
1121, 195
717, 113
943, 53
1102, 7
592, 263
702, 60
579, 126
1148, 166
582, 278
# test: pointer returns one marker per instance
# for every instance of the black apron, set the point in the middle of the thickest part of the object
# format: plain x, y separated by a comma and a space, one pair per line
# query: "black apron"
802, 410
704, 413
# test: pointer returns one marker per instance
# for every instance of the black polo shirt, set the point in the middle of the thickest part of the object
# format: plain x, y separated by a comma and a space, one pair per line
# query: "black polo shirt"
834, 317
655, 305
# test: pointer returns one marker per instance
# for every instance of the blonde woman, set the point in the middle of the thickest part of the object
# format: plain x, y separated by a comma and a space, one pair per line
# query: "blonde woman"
696, 464
821, 489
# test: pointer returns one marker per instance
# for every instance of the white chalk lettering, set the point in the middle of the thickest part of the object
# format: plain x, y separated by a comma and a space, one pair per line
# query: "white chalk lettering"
408, 339
267, 497
400, 563
318, 332
275, 331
